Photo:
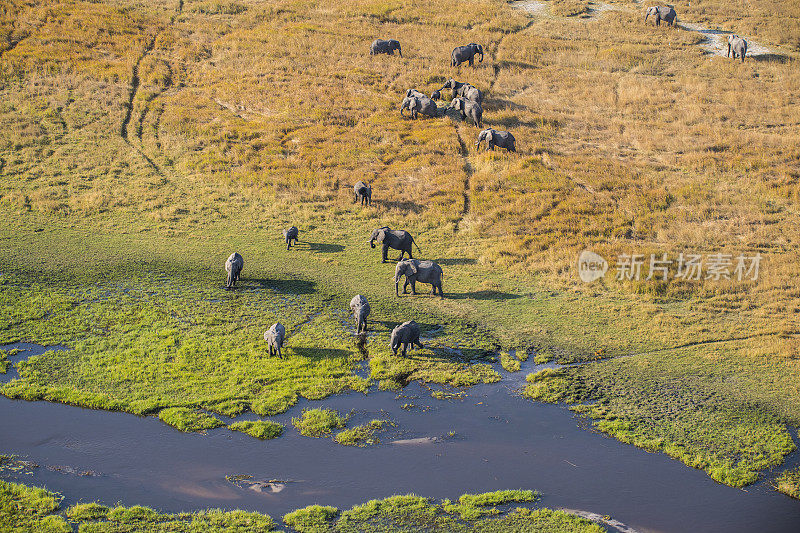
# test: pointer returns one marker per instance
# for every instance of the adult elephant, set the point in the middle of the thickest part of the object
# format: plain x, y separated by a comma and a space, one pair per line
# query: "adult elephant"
462, 54
363, 192
415, 270
468, 108
461, 89
385, 46
418, 105
665, 13
389, 238
233, 266
275, 336
501, 139
290, 235
361, 309
737, 45
406, 334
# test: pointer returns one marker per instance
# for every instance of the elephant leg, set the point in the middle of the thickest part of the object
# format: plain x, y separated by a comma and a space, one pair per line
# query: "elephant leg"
385, 251
405, 287
413, 286
280, 355
418, 343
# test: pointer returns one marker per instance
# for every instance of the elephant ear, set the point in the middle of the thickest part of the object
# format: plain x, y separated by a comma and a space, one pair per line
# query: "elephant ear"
412, 267
381, 235
489, 136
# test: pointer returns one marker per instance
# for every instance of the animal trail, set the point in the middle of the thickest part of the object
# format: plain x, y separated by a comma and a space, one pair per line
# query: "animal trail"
468, 172
134, 88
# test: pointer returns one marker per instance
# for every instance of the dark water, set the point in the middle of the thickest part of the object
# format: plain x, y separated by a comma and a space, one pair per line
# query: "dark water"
501, 441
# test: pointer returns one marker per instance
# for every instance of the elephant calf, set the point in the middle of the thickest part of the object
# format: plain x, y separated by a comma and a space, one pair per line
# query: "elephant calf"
415, 270
737, 45
363, 192
468, 108
417, 104
274, 337
665, 13
389, 238
233, 266
461, 54
383, 46
493, 138
290, 235
406, 334
361, 311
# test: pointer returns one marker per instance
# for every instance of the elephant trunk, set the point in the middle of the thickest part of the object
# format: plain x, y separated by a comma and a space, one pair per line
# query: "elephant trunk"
481, 59
645, 16
372, 243
397, 286
400, 51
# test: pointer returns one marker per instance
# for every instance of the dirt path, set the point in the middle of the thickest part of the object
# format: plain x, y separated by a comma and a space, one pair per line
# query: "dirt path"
715, 42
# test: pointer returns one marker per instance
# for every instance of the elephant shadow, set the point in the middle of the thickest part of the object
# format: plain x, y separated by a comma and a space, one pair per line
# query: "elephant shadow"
404, 206
769, 58
320, 353
324, 248
286, 286
484, 295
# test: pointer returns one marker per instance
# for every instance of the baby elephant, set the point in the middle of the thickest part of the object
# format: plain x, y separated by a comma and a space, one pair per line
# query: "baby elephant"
290, 235
415, 270
361, 310
363, 192
382, 46
406, 334
274, 337
493, 138
468, 108
233, 266
737, 45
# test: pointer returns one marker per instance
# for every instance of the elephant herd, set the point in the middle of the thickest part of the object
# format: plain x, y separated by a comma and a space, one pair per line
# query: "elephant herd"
414, 270
467, 100
736, 45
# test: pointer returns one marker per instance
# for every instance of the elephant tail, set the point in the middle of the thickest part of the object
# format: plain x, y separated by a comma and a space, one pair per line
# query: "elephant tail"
415, 244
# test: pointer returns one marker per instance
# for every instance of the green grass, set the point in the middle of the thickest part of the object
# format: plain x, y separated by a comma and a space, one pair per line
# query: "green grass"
472, 506
363, 435
311, 519
260, 429
29, 509
4, 362
32, 509
189, 419
509, 364
789, 483
318, 422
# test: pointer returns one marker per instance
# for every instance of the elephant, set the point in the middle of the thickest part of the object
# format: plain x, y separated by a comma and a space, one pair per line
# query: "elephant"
361, 311
737, 45
414, 92
382, 46
406, 334
415, 270
665, 13
462, 89
493, 138
363, 192
233, 266
436, 95
397, 239
460, 54
290, 235
417, 105
274, 337
468, 108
